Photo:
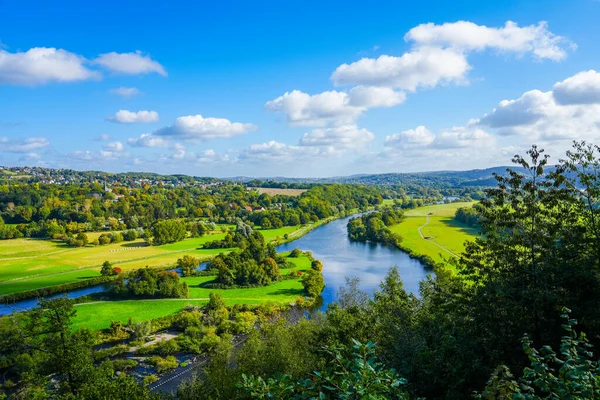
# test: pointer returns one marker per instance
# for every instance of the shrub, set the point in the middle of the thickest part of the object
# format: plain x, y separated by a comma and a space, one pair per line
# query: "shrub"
150, 379
164, 364
104, 239
295, 253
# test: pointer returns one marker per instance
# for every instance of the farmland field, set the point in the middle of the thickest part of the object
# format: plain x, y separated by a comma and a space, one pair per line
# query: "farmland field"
443, 238
285, 192
97, 315
28, 264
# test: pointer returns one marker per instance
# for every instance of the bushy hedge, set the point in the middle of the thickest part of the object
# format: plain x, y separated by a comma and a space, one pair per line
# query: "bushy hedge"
48, 291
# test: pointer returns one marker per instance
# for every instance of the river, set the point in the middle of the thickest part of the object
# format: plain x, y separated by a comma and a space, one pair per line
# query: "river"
341, 258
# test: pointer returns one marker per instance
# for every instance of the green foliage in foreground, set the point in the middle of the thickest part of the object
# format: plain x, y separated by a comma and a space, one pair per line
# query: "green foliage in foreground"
359, 376
572, 374
40, 344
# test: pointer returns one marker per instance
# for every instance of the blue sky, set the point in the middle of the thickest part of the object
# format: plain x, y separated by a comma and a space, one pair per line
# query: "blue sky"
371, 87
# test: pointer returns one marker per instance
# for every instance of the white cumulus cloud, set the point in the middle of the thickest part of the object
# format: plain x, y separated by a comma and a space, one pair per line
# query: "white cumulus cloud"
372, 96
196, 127
132, 117
148, 140
332, 107
420, 136
570, 111
130, 63
464, 137
455, 137
273, 151
468, 36
525, 110
423, 67
41, 65
338, 138
582, 88
439, 54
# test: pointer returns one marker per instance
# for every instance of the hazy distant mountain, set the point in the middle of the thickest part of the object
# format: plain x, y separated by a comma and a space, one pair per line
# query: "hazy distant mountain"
474, 177
469, 178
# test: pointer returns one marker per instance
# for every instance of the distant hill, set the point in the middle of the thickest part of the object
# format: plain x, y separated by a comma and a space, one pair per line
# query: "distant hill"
438, 179
473, 177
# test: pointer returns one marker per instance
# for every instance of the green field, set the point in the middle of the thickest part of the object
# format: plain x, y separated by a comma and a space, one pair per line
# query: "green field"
27, 264
444, 237
98, 315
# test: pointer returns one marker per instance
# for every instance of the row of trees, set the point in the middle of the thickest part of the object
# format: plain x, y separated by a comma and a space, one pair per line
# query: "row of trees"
40, 210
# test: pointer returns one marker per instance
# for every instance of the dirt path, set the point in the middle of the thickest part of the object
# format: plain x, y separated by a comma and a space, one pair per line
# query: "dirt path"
431, 241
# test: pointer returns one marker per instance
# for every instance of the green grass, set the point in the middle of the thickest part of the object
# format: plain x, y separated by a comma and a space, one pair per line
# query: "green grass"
98, 315
273, 234
444, 235
28, 264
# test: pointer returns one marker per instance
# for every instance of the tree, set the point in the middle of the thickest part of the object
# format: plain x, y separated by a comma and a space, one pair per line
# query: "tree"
572, 374
350, 295
295, 253
516, 266
244, 229
188, 265
215, 302
83, 238
130, 235
168, 231
271, 269
313, 283
70, 353
107, 269
142, 329
317, 265
360, 376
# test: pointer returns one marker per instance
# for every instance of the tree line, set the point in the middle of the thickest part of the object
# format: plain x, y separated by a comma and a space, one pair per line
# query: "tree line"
48, 210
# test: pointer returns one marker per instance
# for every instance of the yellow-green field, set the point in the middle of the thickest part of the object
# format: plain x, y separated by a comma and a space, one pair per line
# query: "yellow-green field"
97, 315
442, 236
27, 264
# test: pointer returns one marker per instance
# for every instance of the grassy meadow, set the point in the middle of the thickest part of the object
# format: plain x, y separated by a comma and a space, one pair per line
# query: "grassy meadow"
98, 315
444, 236
27, 264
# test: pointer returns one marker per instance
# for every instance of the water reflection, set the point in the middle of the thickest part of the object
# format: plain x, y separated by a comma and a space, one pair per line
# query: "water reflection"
24, 305
342, 258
